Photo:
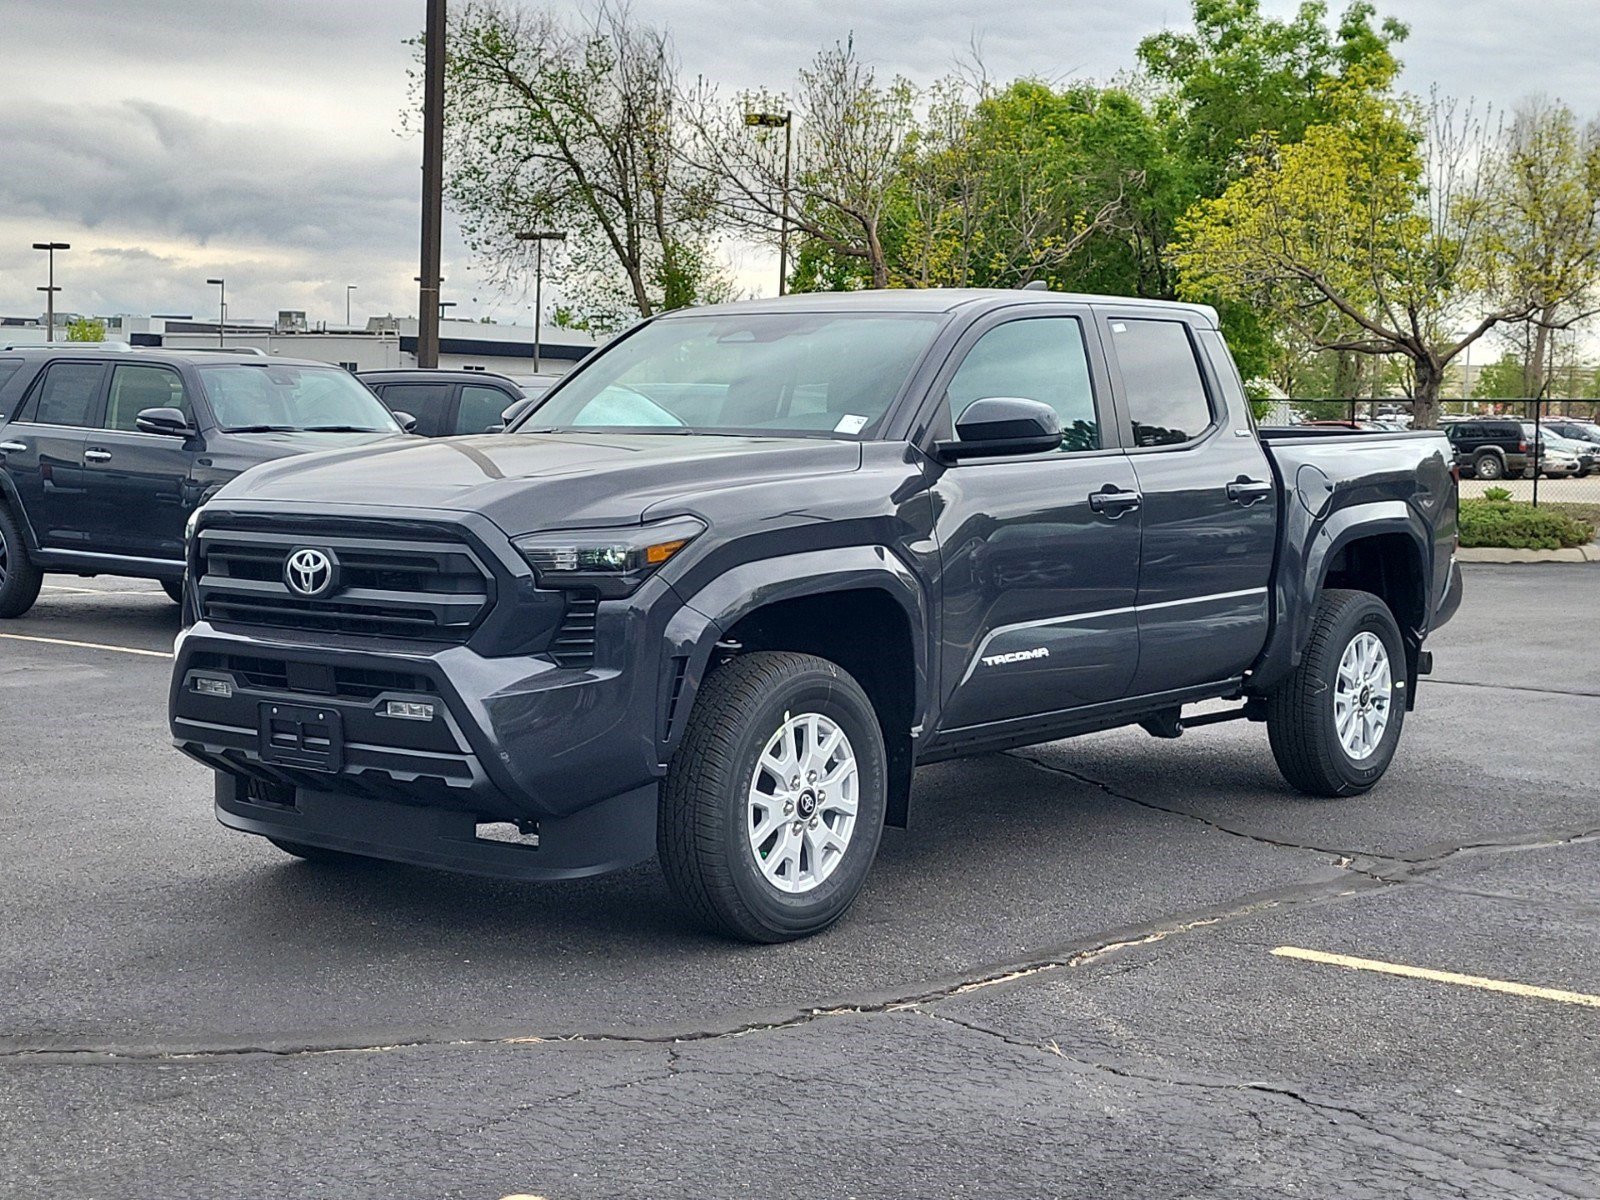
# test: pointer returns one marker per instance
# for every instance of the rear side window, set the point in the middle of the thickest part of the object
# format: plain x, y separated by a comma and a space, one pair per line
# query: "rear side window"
8, 368
136, 388
427, 402
480, 408
1040, 358
65, 394
1161, 380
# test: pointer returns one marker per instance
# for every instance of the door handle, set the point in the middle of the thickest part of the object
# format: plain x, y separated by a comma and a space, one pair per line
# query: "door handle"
1111, 501
1247, 491
13, 447
97, 456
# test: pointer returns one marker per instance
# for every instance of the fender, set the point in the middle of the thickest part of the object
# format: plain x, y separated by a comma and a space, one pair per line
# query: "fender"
8, 495
1301, 576
707, 615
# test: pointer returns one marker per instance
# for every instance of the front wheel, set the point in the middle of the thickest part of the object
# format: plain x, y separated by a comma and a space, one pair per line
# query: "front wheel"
774, 804
1335, 722
174, 590
20, 580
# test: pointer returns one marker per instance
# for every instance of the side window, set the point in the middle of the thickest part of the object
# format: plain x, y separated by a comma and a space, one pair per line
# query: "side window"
1161, 380
134, 389
8, 368
1037, 358
480, 408
427, 402
65, 394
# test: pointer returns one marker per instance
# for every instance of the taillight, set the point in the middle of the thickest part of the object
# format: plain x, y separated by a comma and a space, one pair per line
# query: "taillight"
1523, 446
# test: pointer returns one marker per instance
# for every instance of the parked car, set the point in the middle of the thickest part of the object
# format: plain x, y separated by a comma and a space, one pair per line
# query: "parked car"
1579, 431
719, 616
105, 453
1560, 455
446, 403
1490, 447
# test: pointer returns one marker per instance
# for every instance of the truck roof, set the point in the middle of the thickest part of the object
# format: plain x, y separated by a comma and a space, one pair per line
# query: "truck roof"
122, 352
940, 300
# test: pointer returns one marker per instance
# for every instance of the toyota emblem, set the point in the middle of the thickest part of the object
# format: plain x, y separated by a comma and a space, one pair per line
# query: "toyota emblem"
310, 573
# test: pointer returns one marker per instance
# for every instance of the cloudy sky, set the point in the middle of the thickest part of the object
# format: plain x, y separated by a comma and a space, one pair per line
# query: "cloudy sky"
172, 140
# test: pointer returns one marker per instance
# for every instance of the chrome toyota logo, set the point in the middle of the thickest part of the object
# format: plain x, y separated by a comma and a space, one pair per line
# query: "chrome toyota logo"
310, 573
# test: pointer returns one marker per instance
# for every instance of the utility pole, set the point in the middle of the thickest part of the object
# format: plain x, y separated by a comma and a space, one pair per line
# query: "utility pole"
539, 238
51, 289
432, 184
773, 121
222, 309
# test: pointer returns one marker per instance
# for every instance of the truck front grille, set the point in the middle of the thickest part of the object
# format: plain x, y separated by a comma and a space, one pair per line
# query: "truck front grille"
384, 587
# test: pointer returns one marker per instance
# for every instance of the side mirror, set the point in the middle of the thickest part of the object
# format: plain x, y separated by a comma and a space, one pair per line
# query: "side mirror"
1003, 425
407, 421
169, 422
515, 413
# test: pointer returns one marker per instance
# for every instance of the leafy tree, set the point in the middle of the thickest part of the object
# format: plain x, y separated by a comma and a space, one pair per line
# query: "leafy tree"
1368, 236
572, 123
1502, 379
86, 329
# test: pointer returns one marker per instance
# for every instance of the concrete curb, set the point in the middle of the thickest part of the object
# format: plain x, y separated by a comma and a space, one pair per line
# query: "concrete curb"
1487, 554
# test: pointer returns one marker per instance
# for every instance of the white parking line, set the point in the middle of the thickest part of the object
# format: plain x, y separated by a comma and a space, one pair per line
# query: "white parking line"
21, 637
1473, 981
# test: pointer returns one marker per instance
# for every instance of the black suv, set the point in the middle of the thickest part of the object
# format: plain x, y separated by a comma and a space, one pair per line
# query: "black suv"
105, 453
1490, 447
446, 403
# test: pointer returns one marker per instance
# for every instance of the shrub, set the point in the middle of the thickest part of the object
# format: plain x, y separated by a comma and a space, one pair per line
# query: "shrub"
1497, 520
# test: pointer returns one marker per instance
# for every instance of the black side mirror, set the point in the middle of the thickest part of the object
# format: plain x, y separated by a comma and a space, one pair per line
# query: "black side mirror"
1003, 425
169, 422
514, 413
407, 421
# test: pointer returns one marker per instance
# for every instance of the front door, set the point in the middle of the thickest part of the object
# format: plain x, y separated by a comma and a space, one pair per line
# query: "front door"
1039, 554
44, 451
138, 483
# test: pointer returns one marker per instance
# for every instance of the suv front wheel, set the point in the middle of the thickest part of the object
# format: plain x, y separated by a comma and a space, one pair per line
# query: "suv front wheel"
774, 804
20, 580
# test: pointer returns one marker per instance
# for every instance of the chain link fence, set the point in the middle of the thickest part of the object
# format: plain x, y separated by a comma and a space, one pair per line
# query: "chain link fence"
1541, 451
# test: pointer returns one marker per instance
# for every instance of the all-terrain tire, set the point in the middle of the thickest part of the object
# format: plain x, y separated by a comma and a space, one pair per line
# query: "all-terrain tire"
1302, 723
709, 819
20, 580
1488, 466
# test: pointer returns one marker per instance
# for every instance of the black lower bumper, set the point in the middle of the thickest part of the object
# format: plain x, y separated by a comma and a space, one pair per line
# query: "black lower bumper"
608, 836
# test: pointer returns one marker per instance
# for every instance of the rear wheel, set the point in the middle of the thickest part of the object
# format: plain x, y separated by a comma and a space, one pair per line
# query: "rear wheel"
774, 804
1335, 722
174, 589
20, 580
1488, 466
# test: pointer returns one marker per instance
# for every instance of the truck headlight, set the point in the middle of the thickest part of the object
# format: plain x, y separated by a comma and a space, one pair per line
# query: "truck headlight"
612, 561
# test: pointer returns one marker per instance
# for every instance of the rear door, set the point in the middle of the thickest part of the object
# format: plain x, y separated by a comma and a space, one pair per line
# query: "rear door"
138, 484
1210, 511
478, 407
1037, 579
44, 447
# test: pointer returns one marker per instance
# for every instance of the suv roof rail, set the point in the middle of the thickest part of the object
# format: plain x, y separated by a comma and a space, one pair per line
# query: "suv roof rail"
252, 350
67, 347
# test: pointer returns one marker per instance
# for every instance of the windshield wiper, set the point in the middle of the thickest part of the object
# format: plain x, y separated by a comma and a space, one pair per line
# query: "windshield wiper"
262, 429
344, 429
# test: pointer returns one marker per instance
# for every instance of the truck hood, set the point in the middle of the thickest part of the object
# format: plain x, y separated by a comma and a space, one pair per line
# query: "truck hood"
524, 482
268, 446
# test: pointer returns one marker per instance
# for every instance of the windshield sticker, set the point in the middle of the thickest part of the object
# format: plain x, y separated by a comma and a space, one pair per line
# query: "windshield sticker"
850, 423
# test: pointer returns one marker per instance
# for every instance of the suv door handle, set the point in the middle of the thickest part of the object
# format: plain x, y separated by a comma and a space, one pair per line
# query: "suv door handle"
1112, 501
13, 447
97, 456
1247, 491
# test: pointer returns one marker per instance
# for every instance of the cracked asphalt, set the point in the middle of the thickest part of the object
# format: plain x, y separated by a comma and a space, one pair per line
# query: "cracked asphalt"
1059, 982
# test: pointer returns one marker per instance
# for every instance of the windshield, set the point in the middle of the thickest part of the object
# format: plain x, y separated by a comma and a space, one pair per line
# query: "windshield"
831, 375
246, 397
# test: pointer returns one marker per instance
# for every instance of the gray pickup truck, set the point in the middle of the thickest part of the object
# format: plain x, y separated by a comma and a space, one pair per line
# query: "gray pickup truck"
743, 570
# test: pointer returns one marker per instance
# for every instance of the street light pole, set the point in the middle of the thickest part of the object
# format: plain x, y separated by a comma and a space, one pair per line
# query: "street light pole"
432, 183
50, 291
539, 238
348, 288
222, 309
773, 121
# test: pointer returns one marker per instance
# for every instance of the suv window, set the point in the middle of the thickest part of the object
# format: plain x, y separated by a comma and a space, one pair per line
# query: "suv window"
427, 402
65, 394
8, 368
1037, 358
480, 408
1161, 380
136, 388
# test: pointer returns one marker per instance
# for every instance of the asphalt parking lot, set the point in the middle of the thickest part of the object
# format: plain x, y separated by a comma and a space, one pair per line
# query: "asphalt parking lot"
1109, 967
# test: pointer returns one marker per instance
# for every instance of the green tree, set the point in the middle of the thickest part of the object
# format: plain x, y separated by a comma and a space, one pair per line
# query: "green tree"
1368, 236
86, 329
1502, 379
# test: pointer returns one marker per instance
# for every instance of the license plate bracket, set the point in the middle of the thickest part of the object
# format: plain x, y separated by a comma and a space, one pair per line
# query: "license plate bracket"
302, 735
